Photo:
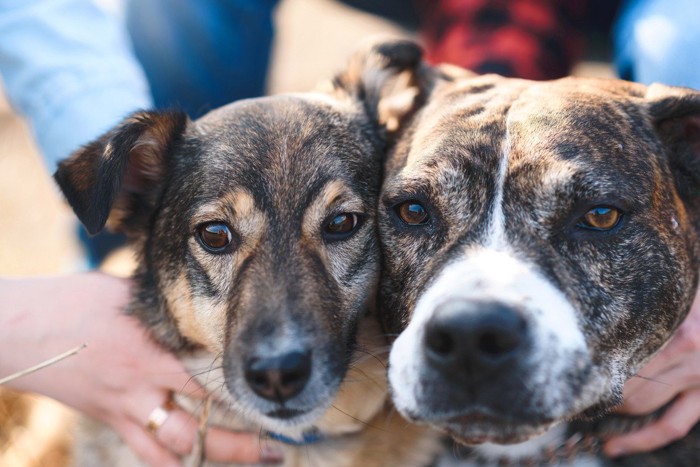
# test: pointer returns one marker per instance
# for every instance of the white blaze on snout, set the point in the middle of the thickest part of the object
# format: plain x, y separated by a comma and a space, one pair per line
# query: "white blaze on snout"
486, 275
489, 275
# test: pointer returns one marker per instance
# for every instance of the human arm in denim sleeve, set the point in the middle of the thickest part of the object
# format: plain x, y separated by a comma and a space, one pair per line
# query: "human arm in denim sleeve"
68, 68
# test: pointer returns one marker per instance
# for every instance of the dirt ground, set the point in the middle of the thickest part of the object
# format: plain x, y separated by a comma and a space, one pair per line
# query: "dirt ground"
37, 237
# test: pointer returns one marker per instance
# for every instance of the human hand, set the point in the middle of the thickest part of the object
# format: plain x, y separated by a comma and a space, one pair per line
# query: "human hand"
119, 378
673, 374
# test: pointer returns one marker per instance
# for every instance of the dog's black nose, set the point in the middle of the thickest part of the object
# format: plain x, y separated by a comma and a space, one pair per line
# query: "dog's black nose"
279, 378
474, 338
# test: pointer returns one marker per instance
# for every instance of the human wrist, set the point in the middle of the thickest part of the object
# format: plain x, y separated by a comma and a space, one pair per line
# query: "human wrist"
43, 317
22, 332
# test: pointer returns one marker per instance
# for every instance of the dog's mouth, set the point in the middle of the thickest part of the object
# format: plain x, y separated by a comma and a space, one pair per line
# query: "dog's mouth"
286, 413
478, 427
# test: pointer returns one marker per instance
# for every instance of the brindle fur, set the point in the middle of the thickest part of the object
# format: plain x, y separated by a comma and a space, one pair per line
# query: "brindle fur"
276, 169
572, 143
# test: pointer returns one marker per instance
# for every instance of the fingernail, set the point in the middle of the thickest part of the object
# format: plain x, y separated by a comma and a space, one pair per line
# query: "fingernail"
271, 455
615, 451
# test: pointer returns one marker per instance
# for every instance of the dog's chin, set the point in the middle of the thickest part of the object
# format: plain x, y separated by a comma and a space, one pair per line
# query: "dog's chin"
285, 413
284, 419
601, 408
477, 429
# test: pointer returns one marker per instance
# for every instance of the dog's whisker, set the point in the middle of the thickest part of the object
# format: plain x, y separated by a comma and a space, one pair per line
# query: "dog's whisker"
367, 378
206, 371
212, 367
307, 452
390, 415
646, 378
261, 438
193, 378
202, 370
365, 423
353, 381
374, 353
364, 358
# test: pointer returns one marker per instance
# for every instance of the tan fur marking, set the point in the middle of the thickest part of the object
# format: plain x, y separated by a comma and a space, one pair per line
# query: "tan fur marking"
335, 197
179, 298
204, 319
364, 390
238, 209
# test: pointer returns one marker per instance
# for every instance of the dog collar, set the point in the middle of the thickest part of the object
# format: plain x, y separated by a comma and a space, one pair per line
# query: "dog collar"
308, 437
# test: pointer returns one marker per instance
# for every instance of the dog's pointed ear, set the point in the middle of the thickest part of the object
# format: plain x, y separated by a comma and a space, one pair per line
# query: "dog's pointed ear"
389, 77
120, 172
675, 112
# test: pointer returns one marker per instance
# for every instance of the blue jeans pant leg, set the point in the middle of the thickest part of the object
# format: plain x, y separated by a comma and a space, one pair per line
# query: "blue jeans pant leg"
201, 54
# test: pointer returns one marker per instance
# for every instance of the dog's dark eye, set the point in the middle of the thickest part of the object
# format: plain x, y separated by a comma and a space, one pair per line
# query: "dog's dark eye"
215, 237
601, 218
412, 212
341, 226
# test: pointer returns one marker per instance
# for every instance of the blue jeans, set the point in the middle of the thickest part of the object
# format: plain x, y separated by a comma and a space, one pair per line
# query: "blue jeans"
659, 41
201, 54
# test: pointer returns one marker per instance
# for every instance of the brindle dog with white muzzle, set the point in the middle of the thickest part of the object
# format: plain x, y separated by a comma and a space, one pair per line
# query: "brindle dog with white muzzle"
258, 259
540, 245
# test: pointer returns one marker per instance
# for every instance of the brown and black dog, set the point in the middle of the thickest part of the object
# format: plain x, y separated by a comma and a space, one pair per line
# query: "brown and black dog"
540, 244
258, 259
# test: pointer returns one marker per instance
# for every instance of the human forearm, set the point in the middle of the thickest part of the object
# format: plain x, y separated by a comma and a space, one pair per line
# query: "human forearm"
42, 317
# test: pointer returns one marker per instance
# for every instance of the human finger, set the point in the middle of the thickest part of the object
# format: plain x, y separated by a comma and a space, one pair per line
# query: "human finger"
185, 385
147, 447
241, 448
661, 390
682, 350
179, 430
674, 424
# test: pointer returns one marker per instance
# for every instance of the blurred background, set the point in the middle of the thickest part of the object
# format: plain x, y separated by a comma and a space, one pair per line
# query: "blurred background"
38, 232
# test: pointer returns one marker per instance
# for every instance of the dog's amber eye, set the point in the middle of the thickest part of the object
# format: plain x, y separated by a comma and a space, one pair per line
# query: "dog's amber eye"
412, 213
600, 218
214, 236
341, 226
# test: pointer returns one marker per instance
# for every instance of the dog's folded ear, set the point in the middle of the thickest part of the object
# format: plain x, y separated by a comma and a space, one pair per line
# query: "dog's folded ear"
676, 114
389, 77
121, 172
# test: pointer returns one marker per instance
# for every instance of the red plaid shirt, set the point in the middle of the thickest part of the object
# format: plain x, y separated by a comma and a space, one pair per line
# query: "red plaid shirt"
535, 39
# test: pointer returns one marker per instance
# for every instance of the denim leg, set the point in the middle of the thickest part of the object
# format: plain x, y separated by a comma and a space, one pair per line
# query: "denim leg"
201, 54
659, 41
97, 248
